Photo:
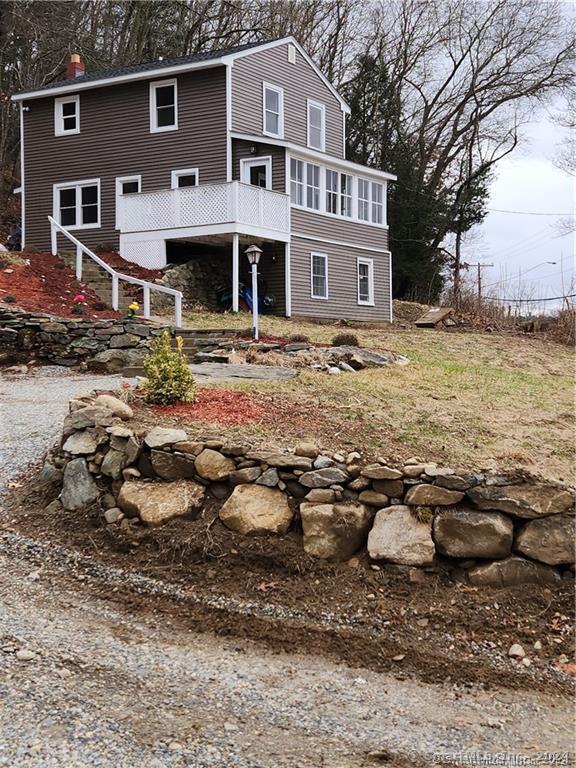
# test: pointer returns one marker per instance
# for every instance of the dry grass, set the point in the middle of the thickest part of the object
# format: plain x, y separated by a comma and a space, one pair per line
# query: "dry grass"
470, 399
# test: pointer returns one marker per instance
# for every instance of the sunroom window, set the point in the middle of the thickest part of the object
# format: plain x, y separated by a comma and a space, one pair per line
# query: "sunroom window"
363, 200
296, 181
313, 186
331, 191
377, 203
346, 194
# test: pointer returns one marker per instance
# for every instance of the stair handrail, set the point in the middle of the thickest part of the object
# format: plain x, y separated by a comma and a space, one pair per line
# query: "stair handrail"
81, 249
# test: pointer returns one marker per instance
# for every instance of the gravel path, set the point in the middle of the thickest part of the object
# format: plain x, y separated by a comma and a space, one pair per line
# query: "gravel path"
85, 681
32, 409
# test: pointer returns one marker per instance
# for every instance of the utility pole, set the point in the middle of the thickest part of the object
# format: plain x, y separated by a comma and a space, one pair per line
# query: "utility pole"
479, 267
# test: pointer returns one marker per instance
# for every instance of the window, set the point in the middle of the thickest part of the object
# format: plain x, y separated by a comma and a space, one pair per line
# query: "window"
313, 186
187, 177
331, 191
67, 115
163, 106
377, 203
319, 275
363, 199
257, 171
365, 281
125, 185
346, 194
296, 181
316, 125
291, 54
76, 204
272, 110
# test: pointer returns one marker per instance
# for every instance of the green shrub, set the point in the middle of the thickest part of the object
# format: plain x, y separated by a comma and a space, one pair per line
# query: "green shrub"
9, 299
345, 340
168, 377
298, 337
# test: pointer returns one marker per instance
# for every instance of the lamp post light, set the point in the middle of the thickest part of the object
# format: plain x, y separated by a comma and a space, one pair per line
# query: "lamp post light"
253, 253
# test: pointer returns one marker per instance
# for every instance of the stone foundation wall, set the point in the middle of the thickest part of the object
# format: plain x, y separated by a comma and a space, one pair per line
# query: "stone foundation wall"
487, 528
105, 345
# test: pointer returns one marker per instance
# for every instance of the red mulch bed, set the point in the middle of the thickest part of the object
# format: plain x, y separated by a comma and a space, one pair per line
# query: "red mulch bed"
223, 406
46, 285
113, 259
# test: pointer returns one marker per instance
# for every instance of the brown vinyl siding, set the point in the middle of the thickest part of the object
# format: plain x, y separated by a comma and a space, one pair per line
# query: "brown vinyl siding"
338, 228
300, 83
342, 301
241, 151
115, 140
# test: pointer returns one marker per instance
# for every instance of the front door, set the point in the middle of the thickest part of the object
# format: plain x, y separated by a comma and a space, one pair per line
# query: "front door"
257, 171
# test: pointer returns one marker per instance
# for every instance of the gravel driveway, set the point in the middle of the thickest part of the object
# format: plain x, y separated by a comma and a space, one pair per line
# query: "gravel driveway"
87, 679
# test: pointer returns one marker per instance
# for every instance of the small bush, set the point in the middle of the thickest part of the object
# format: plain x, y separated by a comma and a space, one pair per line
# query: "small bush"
99, 306
298, 337
168, 377
423, 514
9, 299
345, 340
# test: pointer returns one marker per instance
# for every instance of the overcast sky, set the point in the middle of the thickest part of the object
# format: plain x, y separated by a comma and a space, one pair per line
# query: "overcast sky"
529, 181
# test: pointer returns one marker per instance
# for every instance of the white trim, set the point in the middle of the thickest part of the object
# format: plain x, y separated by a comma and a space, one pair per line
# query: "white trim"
345, 244
22, 181
118, 187
287, 280
325, 257
227, 228
343, 133
59, 117
390, 284
322, 108
370, 264
75, 185
154, 128
246, 162
174, 176
291, 54
143, 75
229, 121
309, 154
280, 91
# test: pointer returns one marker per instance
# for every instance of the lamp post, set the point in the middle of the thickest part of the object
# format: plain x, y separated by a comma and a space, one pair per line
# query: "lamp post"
253, 253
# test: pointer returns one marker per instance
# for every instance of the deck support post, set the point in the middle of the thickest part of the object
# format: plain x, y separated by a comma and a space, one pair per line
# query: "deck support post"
287, 281
235, 271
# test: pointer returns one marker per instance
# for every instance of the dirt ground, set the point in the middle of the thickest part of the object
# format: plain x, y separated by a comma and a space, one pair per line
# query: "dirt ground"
356, 612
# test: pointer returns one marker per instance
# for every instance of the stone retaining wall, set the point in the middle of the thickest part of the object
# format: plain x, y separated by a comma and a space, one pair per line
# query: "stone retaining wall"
488, 528
105, 345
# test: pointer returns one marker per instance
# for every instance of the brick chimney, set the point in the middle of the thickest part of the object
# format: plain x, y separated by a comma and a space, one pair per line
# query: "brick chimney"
75, 67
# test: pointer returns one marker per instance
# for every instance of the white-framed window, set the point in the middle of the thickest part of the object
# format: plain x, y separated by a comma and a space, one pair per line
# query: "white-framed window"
331, 191
363, 200
76, 204
186, 177
125, 185
365, 270
296, 181
346, 182
272, 110
316, 125
257, 171
313, 186
67, 115
377, 203
163, 106
318, 275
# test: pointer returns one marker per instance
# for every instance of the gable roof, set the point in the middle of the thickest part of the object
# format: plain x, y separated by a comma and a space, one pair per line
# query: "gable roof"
166, 67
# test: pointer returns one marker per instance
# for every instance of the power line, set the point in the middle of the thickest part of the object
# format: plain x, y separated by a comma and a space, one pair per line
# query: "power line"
526, 301
529, 213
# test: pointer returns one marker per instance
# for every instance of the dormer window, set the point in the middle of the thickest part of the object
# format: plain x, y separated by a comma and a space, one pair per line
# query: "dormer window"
272, 110
316, 125
163, 106
67, 115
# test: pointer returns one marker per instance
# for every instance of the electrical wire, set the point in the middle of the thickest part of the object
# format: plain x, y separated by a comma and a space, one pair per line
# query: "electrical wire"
527, 301
530, 213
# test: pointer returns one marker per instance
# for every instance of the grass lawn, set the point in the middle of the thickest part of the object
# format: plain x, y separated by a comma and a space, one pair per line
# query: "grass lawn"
470, 400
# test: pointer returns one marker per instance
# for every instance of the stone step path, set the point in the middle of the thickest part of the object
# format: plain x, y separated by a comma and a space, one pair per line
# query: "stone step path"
216, 373
99, 281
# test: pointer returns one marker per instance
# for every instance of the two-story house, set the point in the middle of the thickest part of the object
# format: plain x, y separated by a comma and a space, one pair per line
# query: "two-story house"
214, 151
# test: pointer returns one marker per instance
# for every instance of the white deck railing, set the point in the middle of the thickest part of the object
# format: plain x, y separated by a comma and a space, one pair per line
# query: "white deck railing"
205, 205
82, 250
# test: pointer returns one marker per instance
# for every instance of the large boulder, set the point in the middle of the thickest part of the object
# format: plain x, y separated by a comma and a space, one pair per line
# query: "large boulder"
281, 460
512, 570
115, 360
78, 487
323, 478
211, 465
88, 416
156, 503
378, 472
115, 405
397, 536
256, 509
334, 531
525, 500
84, 442
432, 496
159, 437
172, 466
468, 533
549, 540
113, 464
